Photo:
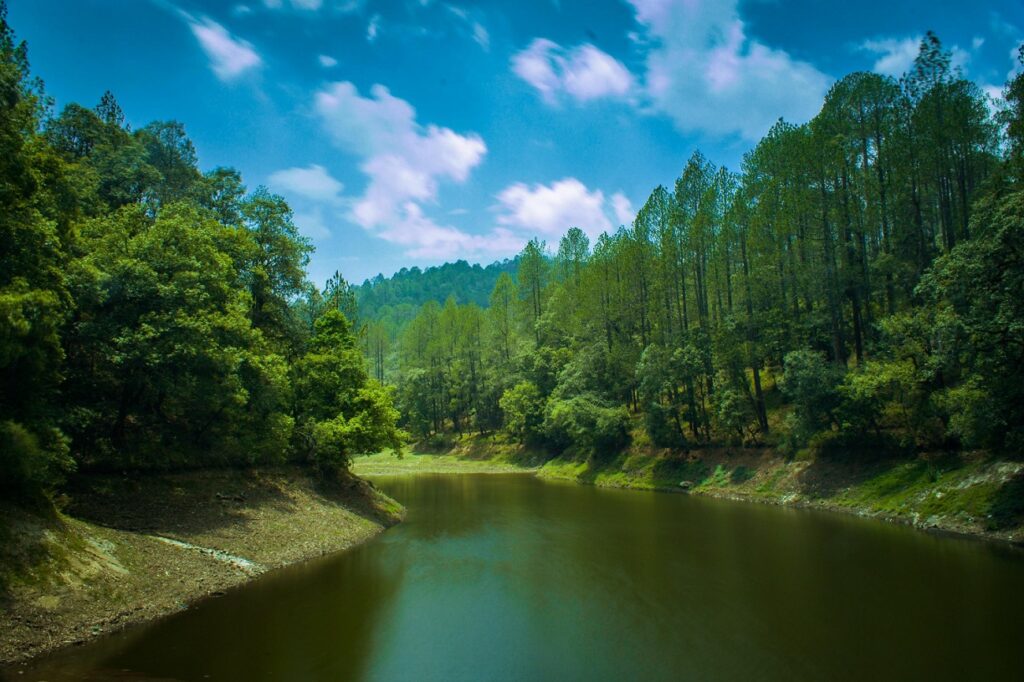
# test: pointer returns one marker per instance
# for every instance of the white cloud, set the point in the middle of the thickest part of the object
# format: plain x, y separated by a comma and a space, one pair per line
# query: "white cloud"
405, 163
230, 57
895, 56
550, 210
424, 238
477, 31
481, 36
583, 72
327, 61
373, 28
622, 208
993, 91
706, 73
311, 5
313, 183
959, 58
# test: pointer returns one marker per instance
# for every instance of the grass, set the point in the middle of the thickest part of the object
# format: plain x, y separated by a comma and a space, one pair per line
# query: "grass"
387, 464
104, 563
976, 494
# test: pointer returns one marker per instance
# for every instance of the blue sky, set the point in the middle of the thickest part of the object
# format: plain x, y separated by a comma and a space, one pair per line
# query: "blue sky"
418, 131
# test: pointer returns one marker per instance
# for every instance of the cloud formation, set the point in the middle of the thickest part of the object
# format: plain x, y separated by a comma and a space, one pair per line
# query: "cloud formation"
476, 30
313, 183
549, 210
895, 55
405, 164
583, 72
310, 5
700, 69
704, 72
230, 56
622, 209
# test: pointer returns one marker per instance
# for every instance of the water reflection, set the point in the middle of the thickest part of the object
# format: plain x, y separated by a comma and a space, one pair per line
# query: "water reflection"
509, 577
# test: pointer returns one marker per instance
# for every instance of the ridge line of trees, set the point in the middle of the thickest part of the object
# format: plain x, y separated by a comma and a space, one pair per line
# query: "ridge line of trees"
857, 284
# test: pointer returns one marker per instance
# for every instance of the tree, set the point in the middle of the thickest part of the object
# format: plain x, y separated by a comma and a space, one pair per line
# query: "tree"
339, 410
533, 277
33, 292
523, 407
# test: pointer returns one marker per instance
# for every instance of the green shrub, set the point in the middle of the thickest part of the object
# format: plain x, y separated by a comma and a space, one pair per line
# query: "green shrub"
587, 424
30, 464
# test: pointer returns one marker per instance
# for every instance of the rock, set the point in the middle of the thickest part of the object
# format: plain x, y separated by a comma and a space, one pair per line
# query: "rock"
685, 485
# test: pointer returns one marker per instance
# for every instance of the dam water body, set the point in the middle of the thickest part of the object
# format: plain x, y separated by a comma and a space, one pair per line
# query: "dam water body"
508, 577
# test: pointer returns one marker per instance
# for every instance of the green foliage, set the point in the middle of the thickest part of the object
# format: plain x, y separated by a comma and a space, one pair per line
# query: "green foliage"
871, 255
811, 383
30, 463
733, 414
585, 423
523, 408
152, 316
340, 410
400, 295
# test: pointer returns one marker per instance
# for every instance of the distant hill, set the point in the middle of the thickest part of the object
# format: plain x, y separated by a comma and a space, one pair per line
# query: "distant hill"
409, 288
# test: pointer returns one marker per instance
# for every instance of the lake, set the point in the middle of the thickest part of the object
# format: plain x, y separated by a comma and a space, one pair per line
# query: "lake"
509, 577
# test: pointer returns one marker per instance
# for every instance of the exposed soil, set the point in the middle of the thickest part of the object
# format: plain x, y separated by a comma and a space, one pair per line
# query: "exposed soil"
126, 550
970, 494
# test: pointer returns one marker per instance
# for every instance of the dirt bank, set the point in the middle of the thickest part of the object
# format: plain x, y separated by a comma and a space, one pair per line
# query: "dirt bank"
126, 551
972, 494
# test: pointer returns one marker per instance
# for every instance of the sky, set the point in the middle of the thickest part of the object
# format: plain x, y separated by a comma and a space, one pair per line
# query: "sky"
414, 132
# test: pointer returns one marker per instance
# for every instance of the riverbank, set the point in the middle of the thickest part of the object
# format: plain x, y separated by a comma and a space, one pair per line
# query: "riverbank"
125, 551
972, 494
969, 495
386, 464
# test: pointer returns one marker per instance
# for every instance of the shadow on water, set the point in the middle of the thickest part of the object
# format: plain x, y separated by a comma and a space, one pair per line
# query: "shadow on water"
314, 621
515, 578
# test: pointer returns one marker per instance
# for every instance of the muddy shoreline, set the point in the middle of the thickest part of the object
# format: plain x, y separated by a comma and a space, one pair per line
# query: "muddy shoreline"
128, 551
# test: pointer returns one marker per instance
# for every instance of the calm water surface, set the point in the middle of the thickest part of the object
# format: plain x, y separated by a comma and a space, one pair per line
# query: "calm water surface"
513, 578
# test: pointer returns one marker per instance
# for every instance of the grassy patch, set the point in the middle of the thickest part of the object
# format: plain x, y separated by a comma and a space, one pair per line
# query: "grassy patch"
382, 463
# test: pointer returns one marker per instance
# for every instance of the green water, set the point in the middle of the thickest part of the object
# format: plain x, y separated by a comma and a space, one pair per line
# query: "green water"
514, 578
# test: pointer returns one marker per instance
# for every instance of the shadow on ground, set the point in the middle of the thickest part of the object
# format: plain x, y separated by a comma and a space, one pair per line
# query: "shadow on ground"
191, 503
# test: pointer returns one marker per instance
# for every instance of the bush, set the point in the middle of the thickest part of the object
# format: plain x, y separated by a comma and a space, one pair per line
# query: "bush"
970, 415
811, 383
523, 407
660, 424
30, 465
733, 413
585, 423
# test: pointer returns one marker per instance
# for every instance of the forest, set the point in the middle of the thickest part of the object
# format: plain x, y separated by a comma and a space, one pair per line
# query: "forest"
855, 287
833, 321
154, 317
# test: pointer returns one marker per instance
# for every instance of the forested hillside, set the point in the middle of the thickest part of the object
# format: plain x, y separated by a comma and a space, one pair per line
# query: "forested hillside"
154, 316
382, 297
384, 307
856, 285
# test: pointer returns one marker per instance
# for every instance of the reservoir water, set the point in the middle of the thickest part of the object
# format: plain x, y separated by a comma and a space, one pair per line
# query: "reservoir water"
508, 577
